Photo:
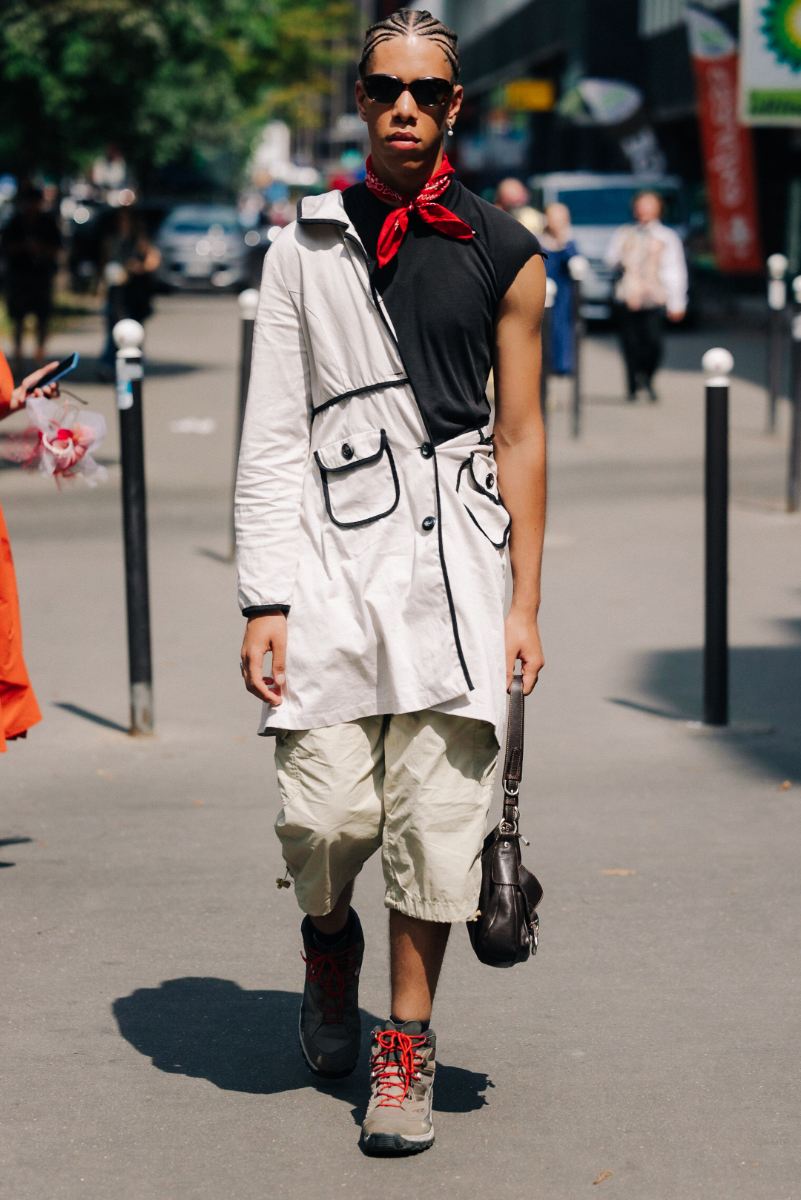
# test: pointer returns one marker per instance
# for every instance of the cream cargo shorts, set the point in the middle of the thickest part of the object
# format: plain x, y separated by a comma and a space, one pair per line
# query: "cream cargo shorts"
417, 785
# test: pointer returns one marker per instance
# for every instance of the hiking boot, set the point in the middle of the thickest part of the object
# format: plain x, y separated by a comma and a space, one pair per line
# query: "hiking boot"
330, 1027
402, 1065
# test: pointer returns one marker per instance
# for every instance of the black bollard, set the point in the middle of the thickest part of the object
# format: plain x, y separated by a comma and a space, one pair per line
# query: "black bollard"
547, 333
578, 267
129, 336
794, 463
717, 364
248, 303
777, 302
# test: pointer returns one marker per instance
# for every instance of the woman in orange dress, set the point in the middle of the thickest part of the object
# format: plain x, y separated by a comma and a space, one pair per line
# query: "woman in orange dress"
18, 707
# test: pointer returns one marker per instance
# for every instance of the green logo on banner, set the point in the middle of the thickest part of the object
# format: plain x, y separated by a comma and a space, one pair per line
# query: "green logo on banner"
782, 28
763, 102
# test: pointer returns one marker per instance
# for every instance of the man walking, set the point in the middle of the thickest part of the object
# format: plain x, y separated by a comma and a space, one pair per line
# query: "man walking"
653, 282
374, 508
30, 245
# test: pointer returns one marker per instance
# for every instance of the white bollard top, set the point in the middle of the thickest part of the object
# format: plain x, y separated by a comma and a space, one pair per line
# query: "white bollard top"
128, 337
797, 289
578, 266
777, 266
717, 364
248, 303
551, 288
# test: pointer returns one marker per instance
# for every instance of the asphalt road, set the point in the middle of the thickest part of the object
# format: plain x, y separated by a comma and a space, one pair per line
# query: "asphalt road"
151, 970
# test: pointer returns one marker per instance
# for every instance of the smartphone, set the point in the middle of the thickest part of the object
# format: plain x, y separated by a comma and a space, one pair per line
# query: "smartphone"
59, 371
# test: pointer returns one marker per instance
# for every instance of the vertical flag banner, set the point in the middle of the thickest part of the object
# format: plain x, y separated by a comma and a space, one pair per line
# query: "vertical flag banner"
770, 79
726, 145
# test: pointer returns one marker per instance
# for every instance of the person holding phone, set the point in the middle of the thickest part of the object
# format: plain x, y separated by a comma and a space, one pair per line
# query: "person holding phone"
18, 707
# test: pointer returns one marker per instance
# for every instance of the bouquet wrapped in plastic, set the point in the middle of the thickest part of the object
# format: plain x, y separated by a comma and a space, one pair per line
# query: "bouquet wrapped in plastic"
59, 441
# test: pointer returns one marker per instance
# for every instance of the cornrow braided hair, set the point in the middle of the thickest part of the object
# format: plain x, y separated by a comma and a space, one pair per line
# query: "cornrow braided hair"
411, 22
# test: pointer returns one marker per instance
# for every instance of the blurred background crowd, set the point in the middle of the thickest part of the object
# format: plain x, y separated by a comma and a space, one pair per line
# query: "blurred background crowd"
147, 148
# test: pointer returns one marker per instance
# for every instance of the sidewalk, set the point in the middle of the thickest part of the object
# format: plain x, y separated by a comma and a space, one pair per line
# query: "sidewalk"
152, 969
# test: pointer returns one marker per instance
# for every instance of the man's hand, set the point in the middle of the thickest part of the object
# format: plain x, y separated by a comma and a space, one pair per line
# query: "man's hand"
677, 316
523, 642
262, 635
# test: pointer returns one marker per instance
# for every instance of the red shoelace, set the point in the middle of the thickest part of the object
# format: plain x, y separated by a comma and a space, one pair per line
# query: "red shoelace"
395, 1065
332, 973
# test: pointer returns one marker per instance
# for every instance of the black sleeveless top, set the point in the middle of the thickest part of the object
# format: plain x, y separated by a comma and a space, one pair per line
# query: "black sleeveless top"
442, 296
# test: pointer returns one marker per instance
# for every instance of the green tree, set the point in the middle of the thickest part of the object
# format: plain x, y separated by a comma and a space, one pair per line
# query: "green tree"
159, 78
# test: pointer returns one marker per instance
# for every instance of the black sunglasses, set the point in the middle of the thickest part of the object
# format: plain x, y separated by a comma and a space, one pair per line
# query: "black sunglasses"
428, 93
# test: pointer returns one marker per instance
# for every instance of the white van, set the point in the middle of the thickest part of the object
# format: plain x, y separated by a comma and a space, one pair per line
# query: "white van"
598, 204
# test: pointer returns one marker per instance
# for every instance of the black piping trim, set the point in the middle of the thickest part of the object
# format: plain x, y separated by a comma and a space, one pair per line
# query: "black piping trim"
497, 545
469, 462
317, 220
350, 466
446, 580
263, 610
368, 387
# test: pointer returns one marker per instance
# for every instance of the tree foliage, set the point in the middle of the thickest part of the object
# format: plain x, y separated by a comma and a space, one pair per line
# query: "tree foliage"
159, 78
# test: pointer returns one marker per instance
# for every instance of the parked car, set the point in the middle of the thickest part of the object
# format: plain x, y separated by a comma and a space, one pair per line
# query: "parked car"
203, 245
598, 204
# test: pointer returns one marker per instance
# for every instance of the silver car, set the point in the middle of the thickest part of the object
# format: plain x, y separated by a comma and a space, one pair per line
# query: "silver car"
203, 245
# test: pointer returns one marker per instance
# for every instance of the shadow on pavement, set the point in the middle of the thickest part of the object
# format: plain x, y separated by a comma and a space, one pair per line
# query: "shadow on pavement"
12, 841
245, 1041
77, 711
213, 1029
765, 686
90, 369
225, 559
684, 350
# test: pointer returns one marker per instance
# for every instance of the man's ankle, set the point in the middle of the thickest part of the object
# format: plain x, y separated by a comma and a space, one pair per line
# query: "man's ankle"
424, 1025
328, 937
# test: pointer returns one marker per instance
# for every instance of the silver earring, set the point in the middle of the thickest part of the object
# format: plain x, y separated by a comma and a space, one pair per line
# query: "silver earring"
450, 128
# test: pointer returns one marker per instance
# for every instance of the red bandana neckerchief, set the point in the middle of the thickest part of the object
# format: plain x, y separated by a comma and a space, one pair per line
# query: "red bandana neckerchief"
423, 204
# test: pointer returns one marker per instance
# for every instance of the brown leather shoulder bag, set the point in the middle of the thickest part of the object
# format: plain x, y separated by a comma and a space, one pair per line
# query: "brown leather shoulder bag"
505, 929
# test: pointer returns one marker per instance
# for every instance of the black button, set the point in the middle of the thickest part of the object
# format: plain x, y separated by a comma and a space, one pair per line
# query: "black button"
426, 449
347, 451
490, 481
429, 523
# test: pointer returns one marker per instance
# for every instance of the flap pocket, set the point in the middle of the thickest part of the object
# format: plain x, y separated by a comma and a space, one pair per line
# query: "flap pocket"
360, 481
477, 486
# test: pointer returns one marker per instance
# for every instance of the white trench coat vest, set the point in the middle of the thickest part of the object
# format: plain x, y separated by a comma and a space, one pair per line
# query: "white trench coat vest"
389, 552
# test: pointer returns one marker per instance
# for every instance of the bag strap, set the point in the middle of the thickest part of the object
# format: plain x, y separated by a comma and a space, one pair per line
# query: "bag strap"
513, 763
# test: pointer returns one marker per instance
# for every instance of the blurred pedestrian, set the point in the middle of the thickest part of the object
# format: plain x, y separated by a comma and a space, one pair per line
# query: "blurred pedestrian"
131, 262
18, 707
557, 240
513, 197
652, 284
30, 245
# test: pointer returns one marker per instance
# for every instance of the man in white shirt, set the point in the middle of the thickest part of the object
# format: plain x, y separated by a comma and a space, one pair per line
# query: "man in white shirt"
653, 283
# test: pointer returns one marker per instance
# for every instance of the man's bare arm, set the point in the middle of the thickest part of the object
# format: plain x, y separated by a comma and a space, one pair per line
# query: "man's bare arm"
519, 437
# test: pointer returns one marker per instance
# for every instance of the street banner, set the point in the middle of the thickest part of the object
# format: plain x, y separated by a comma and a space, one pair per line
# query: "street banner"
618, 107
727, 148
770, 79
